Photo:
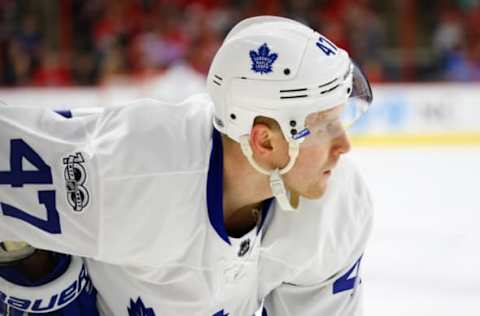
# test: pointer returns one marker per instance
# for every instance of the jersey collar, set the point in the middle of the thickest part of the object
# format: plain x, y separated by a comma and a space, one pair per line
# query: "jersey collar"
215, 190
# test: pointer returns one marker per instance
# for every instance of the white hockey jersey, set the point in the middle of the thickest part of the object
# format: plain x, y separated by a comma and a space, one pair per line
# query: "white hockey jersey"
137, 189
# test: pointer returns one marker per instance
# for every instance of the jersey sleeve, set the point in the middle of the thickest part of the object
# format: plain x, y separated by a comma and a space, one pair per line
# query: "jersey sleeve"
49, 179
55, 179
105, 184
330, 284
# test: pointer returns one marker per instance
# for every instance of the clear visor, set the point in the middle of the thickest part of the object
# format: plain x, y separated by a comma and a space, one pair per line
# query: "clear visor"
326, 125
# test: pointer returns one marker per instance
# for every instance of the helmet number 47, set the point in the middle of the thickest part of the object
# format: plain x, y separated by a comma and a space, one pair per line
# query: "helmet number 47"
326, 46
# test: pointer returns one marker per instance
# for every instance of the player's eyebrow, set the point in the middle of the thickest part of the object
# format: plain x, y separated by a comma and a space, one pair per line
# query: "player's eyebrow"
327, 115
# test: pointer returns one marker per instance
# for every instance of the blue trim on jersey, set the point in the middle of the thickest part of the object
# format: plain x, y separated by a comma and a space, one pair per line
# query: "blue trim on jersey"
215, 190
265, 208
64, 113
12, 274
215, 187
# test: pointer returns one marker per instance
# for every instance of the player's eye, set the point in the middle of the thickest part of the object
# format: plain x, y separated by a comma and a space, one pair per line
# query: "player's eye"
320, 130
334, 127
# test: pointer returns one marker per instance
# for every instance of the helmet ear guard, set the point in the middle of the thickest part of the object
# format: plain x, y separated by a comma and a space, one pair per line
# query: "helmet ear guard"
281, 69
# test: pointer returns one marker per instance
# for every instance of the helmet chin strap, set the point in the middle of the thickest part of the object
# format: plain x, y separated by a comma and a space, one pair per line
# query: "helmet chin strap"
276, 181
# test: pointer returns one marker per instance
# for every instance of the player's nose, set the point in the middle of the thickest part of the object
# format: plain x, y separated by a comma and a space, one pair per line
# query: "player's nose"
341, 144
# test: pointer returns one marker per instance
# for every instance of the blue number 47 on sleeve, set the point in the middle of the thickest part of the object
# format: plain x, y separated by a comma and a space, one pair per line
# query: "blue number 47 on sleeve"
17, 177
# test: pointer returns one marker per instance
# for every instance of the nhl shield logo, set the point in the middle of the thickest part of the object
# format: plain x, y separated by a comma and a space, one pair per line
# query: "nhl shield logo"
244, 247
262, 60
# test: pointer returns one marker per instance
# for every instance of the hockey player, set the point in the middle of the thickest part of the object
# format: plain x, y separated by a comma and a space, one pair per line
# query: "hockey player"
179, 216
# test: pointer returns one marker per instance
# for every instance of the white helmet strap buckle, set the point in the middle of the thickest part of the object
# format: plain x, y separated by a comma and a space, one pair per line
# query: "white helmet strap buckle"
276, 182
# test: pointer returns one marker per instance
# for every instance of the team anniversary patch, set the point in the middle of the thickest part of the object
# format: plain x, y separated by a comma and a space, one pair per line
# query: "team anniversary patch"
75, 182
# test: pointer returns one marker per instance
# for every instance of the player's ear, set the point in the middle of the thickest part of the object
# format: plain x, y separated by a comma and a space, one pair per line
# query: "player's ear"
267, 142
261, 139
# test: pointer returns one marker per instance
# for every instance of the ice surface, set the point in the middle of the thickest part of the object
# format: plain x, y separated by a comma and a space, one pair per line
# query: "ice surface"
424, 254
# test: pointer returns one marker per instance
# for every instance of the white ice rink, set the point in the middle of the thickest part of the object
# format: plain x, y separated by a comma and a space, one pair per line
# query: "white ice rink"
424, 255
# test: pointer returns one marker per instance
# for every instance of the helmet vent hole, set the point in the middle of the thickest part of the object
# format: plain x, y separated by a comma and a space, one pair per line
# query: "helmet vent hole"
217, 83
294, 96
328, 83
287, 93
293, 123
349, 90
293, 131
233, 116
330, 90
244, 78
286, 71
218, 77
293, 90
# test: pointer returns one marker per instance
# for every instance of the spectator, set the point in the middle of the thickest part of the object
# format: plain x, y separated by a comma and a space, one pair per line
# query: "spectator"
52, 71
143, 38
21, 63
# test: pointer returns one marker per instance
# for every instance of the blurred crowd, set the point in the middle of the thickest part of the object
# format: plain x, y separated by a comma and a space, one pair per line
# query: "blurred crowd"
76, 42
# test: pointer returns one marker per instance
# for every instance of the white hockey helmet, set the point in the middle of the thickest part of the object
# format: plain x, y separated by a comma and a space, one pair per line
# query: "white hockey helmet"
279, 68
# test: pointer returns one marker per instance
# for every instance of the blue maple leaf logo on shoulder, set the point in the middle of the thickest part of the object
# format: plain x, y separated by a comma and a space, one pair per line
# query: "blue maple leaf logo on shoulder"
262, 60
138, 309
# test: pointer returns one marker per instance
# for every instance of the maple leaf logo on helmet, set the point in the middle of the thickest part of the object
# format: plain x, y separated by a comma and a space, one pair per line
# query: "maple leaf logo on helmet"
262, 60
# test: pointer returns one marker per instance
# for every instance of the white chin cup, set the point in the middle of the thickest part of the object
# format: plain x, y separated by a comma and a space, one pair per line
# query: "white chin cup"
276, 182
